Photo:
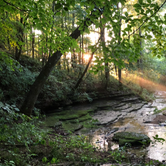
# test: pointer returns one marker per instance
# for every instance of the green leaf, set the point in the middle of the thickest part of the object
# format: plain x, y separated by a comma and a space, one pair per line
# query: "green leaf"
58, 6
137, 6
140, 1
126, 14
66, 9
44, 159
16, 109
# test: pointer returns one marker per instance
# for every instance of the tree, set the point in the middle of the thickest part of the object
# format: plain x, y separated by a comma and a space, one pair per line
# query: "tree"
31, 98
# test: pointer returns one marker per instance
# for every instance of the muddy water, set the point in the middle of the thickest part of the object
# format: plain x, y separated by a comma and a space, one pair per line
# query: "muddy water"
140, 121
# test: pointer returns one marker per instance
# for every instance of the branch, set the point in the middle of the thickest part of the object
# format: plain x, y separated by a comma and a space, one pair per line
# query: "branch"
15, 6
148, 19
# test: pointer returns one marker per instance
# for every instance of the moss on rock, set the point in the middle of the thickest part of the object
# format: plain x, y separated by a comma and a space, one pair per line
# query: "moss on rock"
131, 138
74, 114
71, 126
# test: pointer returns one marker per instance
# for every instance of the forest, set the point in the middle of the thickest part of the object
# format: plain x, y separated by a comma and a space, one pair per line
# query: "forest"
70, 69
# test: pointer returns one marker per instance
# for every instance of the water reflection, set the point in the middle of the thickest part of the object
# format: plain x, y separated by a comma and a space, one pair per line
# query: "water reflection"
156, 151
98, 140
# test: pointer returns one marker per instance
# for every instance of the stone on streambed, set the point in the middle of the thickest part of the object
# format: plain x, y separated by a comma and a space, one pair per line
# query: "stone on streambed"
131, 138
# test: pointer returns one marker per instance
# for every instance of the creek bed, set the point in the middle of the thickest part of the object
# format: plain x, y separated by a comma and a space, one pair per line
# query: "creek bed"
141, 121
126, 113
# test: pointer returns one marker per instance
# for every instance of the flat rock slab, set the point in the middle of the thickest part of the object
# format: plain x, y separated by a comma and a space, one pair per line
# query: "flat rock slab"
122, 108
147, 111
134, 107
159, 100
130, 99
106, 105
107, 117
119, 105
131, 138
159, 106
149, 119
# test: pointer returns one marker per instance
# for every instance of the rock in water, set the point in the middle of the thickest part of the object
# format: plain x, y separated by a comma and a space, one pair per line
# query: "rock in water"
132, 138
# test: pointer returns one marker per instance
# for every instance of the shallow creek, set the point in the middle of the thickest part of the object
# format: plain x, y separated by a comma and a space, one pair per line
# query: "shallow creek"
133, 116
125, 113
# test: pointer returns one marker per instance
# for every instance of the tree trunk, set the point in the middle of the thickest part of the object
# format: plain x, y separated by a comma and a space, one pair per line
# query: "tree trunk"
64, 61
33, 44
20, 37
53, 9
8, 40
140, 65
102, 33
73, 57
38, 48
82, 49
43, 58
119, 68
27, 42
79, 58
16, 52
35, 89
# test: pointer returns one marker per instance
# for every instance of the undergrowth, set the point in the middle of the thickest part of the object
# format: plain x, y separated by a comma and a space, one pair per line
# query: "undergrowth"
23, 141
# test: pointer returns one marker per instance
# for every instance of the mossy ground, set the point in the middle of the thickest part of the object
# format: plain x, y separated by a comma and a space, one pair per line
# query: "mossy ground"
70, 120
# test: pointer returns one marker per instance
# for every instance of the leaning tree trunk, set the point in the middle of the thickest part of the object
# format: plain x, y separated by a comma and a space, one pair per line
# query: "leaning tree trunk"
86, 69
35, 89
